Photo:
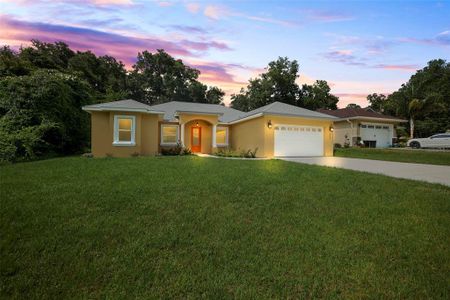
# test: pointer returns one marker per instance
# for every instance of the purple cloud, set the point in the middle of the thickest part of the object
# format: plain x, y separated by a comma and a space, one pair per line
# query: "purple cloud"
441, 39
123, 47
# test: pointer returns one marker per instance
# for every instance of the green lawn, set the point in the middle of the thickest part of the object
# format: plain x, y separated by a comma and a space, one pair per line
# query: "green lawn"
401, 155
189, 227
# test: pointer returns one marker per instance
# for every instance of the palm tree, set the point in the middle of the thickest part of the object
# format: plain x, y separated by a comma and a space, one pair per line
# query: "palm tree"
415, 107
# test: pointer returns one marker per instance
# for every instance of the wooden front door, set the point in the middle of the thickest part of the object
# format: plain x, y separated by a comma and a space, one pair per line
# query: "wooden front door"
196, 139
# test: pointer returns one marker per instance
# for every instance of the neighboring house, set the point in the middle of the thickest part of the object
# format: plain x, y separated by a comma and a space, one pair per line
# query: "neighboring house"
128, 127
364, 125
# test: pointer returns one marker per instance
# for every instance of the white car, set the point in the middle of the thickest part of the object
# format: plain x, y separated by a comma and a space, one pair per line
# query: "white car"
440, 140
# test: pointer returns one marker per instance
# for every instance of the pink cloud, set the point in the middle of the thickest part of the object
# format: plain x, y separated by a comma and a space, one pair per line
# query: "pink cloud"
124, 47
406, 68
441, 39
216, 12
327, 16
193, 7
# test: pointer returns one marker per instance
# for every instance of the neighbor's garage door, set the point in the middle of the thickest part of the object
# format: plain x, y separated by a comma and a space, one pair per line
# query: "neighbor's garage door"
379, 133
291, 140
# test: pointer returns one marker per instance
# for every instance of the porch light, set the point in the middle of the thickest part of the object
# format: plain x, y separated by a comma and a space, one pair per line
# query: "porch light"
196, 124
269, 124
331, 128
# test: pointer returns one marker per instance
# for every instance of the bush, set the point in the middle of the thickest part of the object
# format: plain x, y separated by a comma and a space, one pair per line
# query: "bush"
177, 150
40, 114
231, 153
24, 144
337, 145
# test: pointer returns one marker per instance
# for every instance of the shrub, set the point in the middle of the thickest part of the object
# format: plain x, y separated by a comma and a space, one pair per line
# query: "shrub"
226, 152
337, 145
177, 150
40, 114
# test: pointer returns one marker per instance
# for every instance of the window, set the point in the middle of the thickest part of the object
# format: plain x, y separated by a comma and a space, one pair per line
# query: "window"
378, 127
440, 136
385, 127
222, 136
363, 126
369, 126
169, 134
124, 130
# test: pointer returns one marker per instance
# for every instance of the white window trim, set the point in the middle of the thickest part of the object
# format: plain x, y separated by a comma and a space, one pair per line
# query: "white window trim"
178, 134
116, 141
226, 136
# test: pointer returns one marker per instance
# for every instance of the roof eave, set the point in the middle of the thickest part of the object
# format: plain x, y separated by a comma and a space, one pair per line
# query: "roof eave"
197, 113
153, 112
372, 119
326, 118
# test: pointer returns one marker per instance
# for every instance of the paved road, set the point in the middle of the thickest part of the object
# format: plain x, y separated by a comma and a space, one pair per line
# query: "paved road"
423, 172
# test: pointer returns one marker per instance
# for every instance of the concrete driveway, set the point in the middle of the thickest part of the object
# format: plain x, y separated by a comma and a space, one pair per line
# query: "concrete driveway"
423, 172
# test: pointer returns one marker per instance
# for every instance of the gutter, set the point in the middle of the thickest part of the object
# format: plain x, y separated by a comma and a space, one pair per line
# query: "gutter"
153, 112
372, 119
330, 118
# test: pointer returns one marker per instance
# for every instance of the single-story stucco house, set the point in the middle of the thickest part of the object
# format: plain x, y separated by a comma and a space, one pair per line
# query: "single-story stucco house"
127, 127
364, 125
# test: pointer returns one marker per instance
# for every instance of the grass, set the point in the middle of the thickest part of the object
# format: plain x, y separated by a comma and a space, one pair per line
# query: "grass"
400, 155
189, 227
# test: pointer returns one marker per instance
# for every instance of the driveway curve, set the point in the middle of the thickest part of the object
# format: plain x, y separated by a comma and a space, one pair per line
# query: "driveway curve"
422, 172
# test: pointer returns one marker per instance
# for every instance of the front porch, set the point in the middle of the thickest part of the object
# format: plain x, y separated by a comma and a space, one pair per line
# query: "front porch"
200, 134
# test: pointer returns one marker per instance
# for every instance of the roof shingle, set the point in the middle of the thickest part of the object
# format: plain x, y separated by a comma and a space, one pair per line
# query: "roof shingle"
355, 112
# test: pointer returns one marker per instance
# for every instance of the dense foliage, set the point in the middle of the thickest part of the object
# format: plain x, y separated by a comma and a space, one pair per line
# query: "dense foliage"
424, 100
44, 86
279, 84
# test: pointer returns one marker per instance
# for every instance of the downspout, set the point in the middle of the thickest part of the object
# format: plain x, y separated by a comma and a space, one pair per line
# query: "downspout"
351, 135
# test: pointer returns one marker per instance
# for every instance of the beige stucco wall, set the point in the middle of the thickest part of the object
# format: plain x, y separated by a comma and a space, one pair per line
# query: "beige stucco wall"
248, 135
255, 133
102, 135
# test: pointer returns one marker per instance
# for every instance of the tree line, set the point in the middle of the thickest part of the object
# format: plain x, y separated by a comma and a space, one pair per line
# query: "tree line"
43, 87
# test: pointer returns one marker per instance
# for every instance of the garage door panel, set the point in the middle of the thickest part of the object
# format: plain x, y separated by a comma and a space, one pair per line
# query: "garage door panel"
380, 133
291, 140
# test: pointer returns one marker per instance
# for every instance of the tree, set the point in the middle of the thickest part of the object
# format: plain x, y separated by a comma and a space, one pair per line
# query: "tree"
42, 55
214, 95
241, 101
424, 100
377, 102
11, 64
277, 84
41, 113
158, 78
353, 105
105, 74
318, 96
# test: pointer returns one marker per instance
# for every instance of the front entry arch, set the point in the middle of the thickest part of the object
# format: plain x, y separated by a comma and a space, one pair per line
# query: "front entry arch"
196, 139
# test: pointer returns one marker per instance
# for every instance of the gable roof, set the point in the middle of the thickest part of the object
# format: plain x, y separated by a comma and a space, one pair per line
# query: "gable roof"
170, 110
279, 108
355, 113
127, 105
226, 114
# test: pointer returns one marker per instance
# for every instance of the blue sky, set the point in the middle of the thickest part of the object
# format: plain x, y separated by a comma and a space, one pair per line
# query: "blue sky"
359, 47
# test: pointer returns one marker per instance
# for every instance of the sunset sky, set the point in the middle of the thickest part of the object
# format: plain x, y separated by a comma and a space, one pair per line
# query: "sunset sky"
359, 47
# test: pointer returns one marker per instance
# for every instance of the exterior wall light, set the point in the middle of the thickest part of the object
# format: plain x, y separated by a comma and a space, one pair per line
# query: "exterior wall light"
196, 124
331, 128
269, 124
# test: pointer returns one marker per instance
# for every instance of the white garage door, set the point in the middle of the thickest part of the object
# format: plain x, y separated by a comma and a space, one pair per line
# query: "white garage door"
292, 140
380, 133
